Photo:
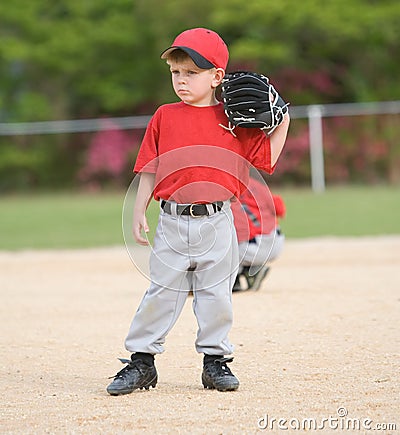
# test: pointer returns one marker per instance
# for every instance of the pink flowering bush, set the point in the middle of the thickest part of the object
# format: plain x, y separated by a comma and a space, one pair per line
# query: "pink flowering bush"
357, 149
293, 164
110, 157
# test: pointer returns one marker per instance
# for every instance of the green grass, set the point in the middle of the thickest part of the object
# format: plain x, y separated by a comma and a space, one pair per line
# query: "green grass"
60, 220
344, 211
63, 220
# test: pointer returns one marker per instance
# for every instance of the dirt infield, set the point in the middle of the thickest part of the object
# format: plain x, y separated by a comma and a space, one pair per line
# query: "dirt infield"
316, 348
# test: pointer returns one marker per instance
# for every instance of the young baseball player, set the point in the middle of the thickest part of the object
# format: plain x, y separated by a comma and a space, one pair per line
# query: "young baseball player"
259, 235
193, 167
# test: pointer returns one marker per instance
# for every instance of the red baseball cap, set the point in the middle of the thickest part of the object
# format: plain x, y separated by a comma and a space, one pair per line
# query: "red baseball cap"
205, 47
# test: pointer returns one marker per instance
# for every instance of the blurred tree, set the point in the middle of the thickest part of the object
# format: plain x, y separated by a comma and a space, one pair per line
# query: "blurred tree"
338, 51
76, 57
70, 59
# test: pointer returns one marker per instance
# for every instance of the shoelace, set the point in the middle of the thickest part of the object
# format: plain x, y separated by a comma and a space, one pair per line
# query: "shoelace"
230, 128
130, 365
220, 366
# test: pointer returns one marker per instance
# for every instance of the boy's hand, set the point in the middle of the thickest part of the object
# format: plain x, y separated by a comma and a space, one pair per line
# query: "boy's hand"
139, 224
145, 189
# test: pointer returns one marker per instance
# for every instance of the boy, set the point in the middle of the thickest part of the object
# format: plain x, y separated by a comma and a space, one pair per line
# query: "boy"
193, 167
259, 235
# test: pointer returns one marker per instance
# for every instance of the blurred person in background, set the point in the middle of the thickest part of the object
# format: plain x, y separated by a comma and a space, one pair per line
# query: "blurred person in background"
256, 216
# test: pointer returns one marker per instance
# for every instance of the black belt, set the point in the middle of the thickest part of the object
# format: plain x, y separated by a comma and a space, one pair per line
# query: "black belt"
194, 210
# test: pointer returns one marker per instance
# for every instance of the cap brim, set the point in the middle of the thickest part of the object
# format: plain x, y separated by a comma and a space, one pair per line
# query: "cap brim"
197, 58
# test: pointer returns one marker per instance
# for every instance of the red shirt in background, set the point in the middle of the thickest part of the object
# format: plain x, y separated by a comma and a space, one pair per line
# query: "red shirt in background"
257, 211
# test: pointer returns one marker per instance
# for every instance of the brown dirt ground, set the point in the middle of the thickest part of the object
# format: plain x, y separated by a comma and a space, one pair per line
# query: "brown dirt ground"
321, 334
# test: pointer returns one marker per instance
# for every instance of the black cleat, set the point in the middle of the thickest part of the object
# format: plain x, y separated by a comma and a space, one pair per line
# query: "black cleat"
237, 287
254, 281
259, 277
217, 375
136, 374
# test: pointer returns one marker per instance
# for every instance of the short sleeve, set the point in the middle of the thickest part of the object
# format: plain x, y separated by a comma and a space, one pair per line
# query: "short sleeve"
147, 159
258, 149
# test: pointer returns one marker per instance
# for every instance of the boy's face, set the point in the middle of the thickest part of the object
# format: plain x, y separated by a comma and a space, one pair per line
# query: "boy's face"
193, 85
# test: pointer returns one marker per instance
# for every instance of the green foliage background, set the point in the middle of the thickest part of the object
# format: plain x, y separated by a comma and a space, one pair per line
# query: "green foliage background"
72, 59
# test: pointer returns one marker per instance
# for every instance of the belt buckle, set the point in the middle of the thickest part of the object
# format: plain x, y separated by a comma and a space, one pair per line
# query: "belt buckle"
191, 212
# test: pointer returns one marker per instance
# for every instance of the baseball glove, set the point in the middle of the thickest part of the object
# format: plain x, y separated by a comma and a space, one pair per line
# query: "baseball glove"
250, 101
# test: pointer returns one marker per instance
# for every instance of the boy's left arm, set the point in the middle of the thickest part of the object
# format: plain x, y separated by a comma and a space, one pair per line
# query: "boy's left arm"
278, 139
143, 197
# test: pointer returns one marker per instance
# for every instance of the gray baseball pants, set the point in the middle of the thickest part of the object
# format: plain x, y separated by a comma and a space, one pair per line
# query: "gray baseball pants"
267, 248
189, 253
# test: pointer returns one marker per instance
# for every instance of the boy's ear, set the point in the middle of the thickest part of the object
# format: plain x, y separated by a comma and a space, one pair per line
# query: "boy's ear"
218, 76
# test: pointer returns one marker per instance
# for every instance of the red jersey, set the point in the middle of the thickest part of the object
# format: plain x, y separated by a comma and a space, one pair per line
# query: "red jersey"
195, 159
256, 211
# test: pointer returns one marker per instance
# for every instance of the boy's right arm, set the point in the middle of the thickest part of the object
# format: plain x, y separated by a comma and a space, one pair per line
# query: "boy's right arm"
143, 197
278, 139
